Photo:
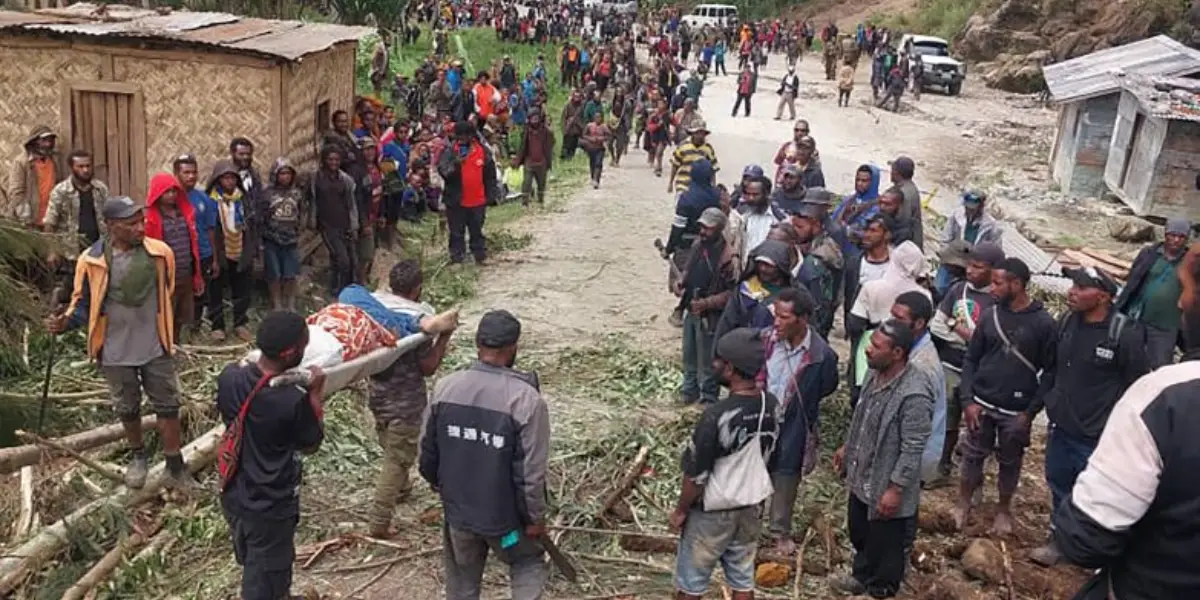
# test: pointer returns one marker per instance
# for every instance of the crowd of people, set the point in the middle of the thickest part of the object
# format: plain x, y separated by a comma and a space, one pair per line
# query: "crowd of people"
959, 362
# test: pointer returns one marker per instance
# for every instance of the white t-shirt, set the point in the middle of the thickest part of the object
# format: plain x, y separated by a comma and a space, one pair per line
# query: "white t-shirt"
869, 271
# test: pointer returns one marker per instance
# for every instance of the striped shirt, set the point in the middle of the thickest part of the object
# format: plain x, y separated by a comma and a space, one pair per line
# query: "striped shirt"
683, 157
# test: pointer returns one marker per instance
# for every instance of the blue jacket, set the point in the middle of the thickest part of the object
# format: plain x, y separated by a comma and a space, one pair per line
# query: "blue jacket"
863, 207
206, 210
817, 380
401, 324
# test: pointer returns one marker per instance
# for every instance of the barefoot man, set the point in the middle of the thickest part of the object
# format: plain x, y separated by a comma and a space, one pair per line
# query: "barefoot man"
1014, 342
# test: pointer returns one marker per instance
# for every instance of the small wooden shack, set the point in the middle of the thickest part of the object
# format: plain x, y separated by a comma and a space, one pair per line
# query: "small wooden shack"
138, 87
1088, 94
1154, 163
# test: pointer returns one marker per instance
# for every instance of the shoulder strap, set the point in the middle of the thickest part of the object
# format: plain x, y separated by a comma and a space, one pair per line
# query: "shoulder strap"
1115, 327
245, 409
1008, 346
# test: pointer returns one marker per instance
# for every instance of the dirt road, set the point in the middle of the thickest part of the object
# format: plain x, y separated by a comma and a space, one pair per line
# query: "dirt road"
591, 272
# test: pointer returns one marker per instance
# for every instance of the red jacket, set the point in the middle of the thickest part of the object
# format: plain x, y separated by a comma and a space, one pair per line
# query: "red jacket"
159, 184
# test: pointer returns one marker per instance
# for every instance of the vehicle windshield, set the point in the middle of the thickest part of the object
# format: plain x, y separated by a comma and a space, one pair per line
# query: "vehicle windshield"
930, 49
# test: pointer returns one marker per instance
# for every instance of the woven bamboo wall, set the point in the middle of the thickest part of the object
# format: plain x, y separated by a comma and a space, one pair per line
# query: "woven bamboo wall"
319, 77
32, 94
198, 107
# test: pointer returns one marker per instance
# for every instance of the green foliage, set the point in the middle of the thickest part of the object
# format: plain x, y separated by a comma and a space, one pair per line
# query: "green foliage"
21, 267
386, 14
942, 18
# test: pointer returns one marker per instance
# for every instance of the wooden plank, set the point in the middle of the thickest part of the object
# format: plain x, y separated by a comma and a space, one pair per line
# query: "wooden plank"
137, 145
116, 169
96, 144
107, 87
122, 139
279, 115
215, 57
1103, 256
1086, 261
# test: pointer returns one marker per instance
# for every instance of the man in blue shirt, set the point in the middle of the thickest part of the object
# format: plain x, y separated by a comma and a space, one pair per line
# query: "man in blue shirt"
205, 209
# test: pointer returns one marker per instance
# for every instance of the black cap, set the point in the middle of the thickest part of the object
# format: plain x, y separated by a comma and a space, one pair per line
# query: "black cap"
955, 253
744, 349
904, 166
988, 253
1092, 277
119, 207
498, 329
812, 210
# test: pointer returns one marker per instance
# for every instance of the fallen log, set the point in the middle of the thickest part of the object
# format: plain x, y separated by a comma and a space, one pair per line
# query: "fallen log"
104, 567
25, 518
627, 481
51, 444
19, 563
13, 459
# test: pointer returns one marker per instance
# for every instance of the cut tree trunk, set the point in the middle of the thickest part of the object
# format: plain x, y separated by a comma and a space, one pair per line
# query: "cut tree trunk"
632, 474
19, 563
12, 459
104, 567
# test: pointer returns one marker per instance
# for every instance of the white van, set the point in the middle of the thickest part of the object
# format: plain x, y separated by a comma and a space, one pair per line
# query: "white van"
713, 15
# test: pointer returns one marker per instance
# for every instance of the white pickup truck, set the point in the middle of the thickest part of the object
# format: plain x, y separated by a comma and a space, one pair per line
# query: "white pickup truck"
941, 70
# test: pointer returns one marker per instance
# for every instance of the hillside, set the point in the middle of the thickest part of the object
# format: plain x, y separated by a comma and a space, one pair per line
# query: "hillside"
1011, 39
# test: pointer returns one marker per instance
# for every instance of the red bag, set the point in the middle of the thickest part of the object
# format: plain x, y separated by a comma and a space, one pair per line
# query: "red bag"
229, 451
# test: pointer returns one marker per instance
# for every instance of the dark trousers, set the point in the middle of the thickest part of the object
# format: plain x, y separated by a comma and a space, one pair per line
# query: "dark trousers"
1003, 433
534, 174
1066, 456
596, 161
720, 68
238, 283
265, 548
341, 258
878, 549
843, 97
463, 221
570, 143
742, 98
201, 300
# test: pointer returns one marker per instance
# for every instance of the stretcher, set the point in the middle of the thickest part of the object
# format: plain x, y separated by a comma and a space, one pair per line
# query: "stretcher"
344, 374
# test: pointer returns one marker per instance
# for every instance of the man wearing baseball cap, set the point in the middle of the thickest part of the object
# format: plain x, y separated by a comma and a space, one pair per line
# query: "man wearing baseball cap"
707, 280
122, 294
687, 153
749, 173
1100, 353
1151, 295
953, 324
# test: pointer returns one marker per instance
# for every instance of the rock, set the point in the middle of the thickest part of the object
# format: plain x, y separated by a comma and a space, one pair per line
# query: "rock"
967, 133
1019, 74
935, 521
983, 560
772, 575
1130, 229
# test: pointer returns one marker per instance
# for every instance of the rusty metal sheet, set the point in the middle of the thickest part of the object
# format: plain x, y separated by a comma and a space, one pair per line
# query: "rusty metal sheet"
293, 44
88, 10
9, 18
229, 33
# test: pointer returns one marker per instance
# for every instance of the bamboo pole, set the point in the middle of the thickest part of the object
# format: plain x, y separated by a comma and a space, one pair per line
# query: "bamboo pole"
19, 562
13, 459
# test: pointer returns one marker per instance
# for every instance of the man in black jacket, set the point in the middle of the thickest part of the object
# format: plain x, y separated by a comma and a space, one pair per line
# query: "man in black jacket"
1152, 293
1014, 341
707, 281
1134, 511
484, 450
1100, 354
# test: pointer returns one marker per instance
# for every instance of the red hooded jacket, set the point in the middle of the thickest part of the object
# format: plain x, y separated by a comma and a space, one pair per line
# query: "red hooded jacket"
159, 184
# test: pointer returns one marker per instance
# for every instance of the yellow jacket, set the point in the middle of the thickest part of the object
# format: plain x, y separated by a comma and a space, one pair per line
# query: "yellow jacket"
91, 288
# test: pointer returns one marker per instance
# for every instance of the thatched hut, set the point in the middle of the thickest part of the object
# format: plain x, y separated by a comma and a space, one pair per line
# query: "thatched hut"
138, 87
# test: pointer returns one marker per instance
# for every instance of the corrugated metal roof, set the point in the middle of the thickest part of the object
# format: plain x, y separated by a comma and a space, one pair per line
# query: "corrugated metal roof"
1165, 98
1092, 75
290, 40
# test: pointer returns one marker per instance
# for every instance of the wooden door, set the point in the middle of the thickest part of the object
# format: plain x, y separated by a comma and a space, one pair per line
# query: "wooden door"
106, 120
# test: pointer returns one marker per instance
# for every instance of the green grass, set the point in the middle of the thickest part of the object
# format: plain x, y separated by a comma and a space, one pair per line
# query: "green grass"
941, 18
